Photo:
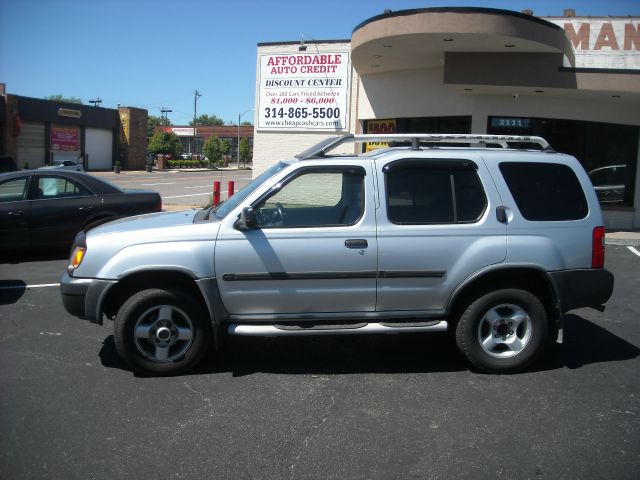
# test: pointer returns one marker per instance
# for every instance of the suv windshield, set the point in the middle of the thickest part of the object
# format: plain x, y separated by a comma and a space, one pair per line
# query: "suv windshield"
231, 203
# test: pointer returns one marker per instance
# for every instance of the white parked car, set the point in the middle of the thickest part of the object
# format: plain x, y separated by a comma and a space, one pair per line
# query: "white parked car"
65, 165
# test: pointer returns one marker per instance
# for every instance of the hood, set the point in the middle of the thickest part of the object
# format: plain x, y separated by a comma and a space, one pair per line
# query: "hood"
145, 222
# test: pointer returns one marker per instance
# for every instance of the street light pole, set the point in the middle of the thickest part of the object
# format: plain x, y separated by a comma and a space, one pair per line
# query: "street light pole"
196, 95
238, 145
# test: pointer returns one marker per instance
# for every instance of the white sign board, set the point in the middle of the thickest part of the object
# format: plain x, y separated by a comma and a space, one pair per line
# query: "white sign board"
182, 131
304, 91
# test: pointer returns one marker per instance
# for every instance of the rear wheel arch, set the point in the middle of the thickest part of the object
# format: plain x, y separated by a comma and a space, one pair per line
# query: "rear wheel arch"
532, 280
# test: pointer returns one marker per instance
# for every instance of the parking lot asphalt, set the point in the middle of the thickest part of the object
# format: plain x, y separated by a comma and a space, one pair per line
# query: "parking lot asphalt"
401, 406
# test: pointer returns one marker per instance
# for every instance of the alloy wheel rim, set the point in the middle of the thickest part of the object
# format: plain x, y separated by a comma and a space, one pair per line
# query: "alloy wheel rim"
504, 330
163, 333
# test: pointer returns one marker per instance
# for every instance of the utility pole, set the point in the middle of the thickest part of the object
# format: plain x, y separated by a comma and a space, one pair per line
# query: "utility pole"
96, 101
164, 112
196, 95
238, 145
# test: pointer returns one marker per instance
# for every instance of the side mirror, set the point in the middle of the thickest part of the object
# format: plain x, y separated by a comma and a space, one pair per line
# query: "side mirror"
247, 220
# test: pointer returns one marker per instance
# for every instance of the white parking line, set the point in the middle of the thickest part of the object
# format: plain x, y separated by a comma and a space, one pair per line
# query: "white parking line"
44, 285
634, 251
201, 186
152, 184
192, 195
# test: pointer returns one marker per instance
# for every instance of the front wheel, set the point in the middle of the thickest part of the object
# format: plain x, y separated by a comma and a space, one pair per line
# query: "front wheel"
161, 332
502, 331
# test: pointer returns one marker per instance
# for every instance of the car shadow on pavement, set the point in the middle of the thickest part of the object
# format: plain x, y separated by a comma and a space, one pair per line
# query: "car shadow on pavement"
11, 291
585, 343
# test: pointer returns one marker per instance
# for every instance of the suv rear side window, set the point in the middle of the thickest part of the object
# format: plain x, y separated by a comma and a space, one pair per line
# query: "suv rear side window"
433, 192
545, 191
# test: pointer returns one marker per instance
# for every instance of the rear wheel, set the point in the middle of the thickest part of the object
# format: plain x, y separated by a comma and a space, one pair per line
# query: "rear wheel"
502, 331
162, 332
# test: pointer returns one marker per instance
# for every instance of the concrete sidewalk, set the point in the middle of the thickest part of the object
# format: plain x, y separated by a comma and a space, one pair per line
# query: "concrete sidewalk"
125, 173
629, 238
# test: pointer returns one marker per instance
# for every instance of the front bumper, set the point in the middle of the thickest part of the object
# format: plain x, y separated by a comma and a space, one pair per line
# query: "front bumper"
582, 288
82, 297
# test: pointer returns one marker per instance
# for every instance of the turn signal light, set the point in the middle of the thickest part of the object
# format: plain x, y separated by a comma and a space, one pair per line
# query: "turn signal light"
76, 258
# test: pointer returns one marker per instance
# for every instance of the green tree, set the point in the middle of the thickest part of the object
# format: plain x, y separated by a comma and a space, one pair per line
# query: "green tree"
60, 98
245, 150
225, 147
208, 120
152, 123
213, 149
165, 143
246, 123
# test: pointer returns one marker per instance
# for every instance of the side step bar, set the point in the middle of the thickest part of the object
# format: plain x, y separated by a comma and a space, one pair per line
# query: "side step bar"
383, 327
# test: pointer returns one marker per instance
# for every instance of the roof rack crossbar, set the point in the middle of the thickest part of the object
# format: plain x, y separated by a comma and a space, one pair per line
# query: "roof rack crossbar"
415, 138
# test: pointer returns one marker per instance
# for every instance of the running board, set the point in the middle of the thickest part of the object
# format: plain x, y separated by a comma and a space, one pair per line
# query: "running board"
383, 327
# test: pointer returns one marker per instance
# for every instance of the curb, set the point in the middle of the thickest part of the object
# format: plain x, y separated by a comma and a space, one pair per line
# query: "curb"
626, 242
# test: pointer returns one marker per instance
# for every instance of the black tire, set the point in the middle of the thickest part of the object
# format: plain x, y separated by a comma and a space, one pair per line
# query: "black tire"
162, 332
503, 331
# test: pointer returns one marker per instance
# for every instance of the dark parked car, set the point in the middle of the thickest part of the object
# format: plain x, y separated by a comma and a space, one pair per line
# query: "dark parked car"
43, 209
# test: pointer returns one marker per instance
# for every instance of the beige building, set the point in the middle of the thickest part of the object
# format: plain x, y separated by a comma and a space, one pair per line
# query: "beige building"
573, 80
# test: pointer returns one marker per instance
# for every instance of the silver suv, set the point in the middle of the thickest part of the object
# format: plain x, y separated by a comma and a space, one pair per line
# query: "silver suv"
491, 244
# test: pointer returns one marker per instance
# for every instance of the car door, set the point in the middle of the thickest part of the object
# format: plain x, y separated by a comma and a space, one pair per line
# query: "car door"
14, 212
437, 227
61, 208
313, 250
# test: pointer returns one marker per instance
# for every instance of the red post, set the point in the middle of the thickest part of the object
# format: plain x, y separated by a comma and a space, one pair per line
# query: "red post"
230, 188
216, 193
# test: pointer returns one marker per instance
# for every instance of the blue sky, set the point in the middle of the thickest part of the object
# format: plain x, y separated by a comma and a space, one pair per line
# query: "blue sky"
155, 53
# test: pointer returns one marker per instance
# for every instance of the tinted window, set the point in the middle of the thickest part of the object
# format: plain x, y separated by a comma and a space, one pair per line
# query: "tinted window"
315, 198
434, 194
58, 187
545, 192
14, 190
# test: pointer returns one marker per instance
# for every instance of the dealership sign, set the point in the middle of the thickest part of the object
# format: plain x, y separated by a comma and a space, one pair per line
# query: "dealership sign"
180, 131
603, 42
304, 91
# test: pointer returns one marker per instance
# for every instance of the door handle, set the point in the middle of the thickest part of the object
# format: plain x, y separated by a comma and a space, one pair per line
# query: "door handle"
501, 214
18, 213
356, 243
82, 209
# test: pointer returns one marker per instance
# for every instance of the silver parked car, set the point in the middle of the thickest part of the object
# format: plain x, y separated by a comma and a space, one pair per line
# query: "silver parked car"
64, 165
493, 244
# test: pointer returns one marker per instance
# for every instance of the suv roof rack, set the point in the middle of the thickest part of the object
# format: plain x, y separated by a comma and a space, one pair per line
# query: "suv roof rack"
331, 143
